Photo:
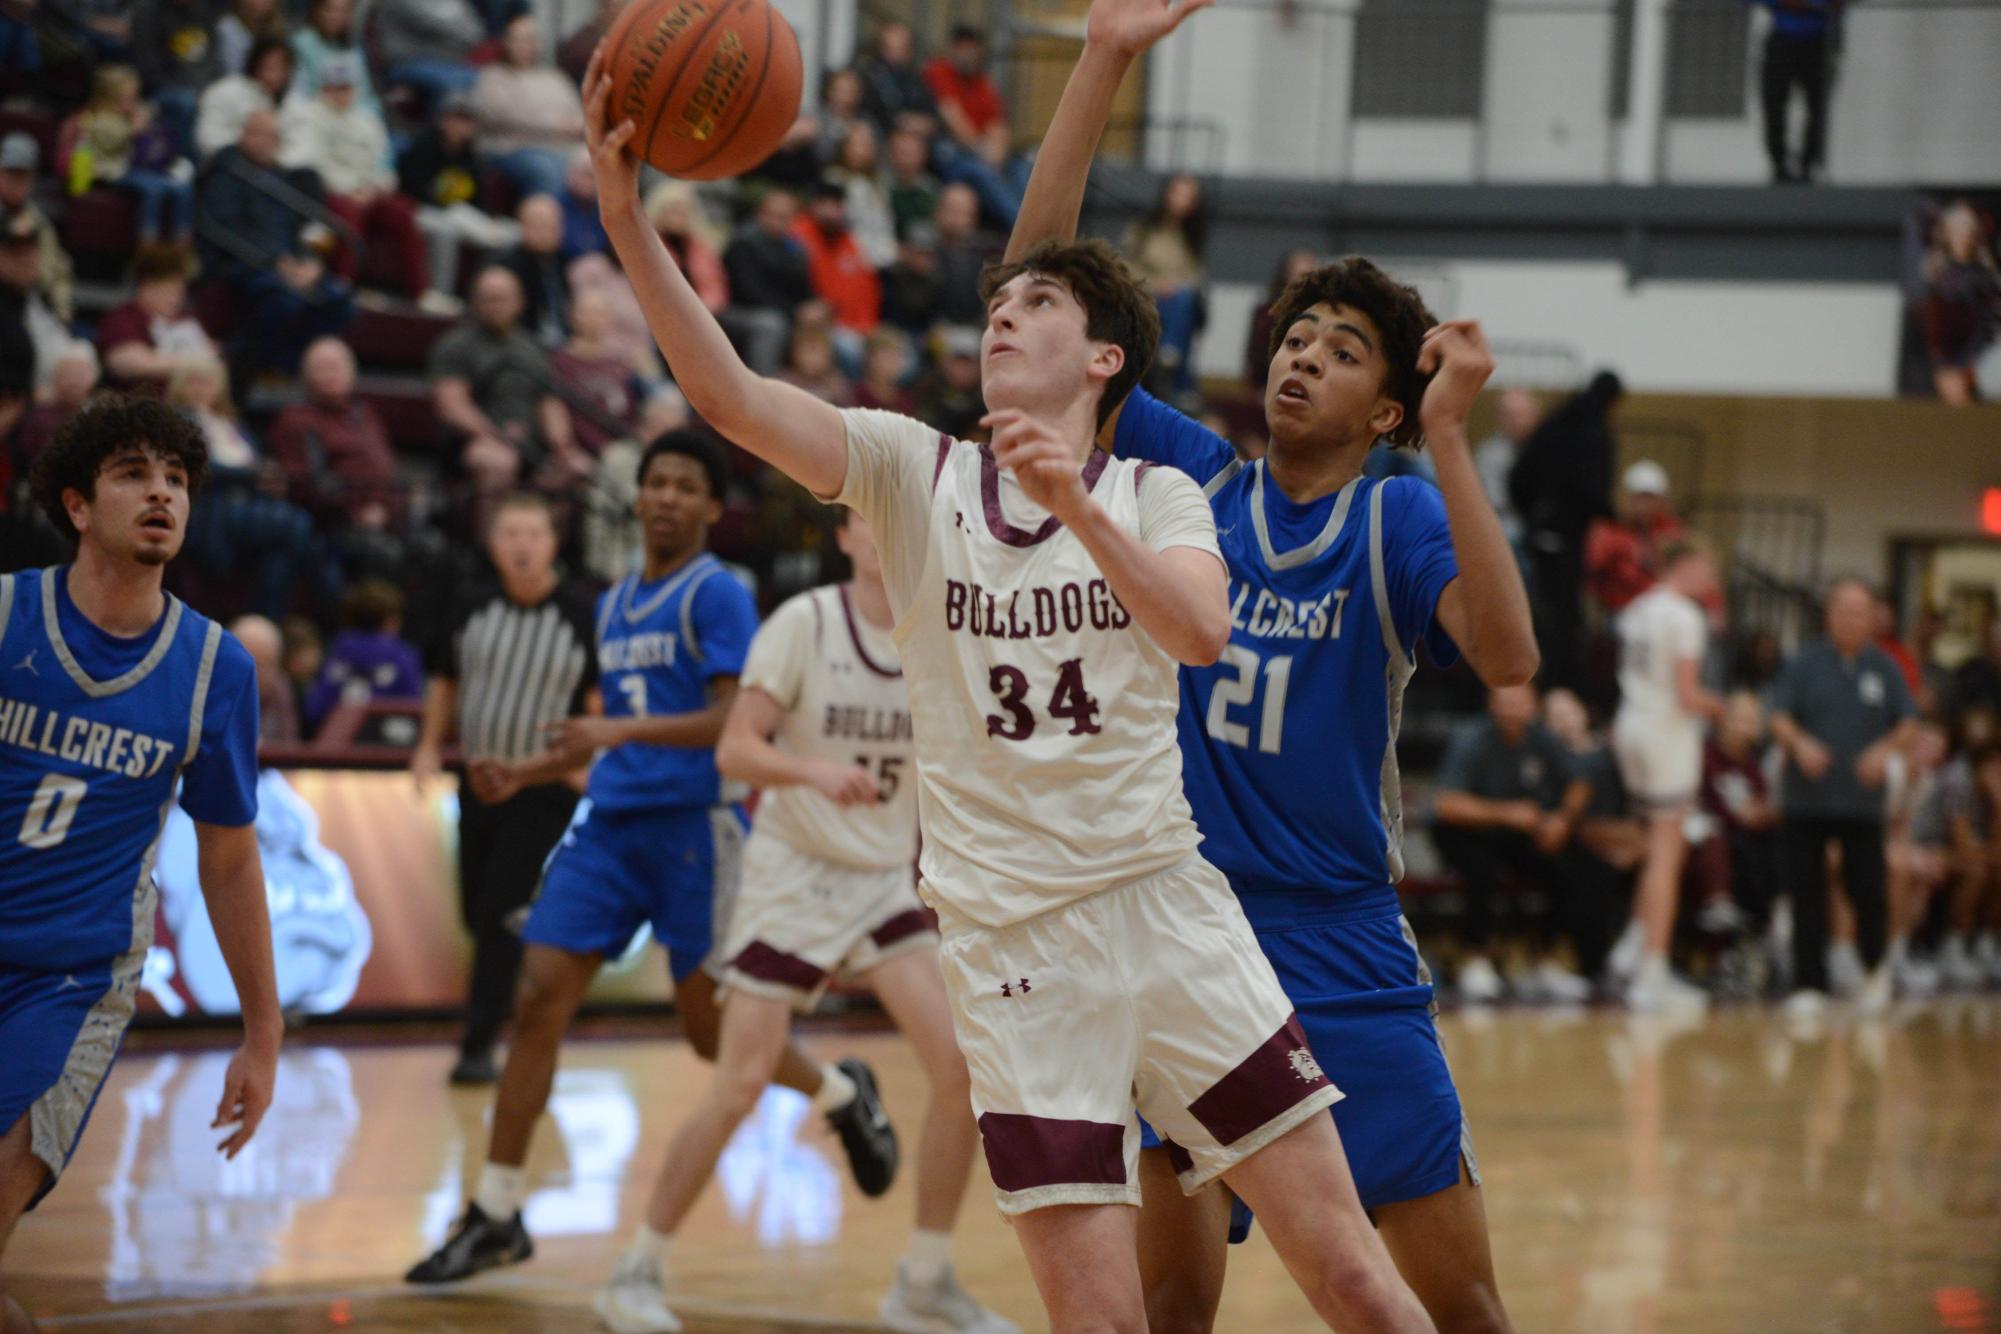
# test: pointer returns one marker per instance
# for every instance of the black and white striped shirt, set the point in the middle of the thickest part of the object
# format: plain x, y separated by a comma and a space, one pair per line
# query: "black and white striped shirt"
518, 668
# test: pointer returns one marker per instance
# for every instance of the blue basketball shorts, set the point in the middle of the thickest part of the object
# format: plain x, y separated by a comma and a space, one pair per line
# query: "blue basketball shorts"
59, 1033
673, 868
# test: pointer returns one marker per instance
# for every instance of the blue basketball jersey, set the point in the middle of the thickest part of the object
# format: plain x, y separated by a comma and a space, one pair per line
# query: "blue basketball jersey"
1288, 741
95, 732
659, 644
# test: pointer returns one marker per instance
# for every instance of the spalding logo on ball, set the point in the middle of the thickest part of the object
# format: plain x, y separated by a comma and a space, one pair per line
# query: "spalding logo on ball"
710, 86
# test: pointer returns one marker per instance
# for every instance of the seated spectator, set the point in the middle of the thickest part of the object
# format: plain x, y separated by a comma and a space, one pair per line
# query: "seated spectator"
583, 230
612, 542
626, 335
304, 652
1959, 315
336, 453
255, 238
885, 374
963, 255
910, 187
1166, 249
892, 86
441, 170
842, 275
949, 398
1622, 555
492, 387
1969, 807
332, 133
329, 32
72, 380
1507, 807
537, 261
811, 365
795, 164
175, 46
573, 56
531, 116
869, 216
277, 702
594, 375
768, 280
427, 46
119, 141
238, 32
46, 335
840, 111
369, 659
228, 102
975, 146
910, 287
242, 524
675, 211
18, 354
1258, 346
20, 159
145, 340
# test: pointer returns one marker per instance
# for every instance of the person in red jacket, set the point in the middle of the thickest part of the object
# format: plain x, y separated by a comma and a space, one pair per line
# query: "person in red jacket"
1622, 556
841, 273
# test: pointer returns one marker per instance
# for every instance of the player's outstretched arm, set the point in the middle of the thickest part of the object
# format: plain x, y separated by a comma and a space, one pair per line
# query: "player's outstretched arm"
232, 885
1485, 608
575, 740
747, 755
788, 428
1116, 33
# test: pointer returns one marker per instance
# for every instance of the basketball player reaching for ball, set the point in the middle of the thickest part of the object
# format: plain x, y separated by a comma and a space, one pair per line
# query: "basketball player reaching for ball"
113, 694
1044, 593
821, 725
1289, 741
655, 841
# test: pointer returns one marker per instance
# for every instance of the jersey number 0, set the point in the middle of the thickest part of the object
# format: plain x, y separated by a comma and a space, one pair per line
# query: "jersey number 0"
50, 811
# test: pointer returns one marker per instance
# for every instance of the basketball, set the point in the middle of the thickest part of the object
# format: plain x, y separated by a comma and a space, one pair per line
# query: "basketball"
711, 86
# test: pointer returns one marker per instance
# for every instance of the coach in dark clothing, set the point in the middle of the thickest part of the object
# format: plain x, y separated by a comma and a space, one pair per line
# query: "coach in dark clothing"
517, 657
1839, 709
1799, 54
1561, 481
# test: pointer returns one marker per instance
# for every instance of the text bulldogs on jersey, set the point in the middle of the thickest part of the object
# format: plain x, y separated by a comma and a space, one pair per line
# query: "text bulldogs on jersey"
847, 722
1275, 617
1065, 609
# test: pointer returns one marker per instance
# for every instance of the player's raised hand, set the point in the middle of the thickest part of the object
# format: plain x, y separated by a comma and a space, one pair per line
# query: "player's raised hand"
617, 171
1455, 355
1129, 27
1043, 462
846, 784
246, 1094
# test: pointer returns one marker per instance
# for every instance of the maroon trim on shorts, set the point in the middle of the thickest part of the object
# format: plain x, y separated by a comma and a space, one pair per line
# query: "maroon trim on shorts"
901, 927
758, 960
944, 452
1268, 1083
855, 633
997, 523
1177, 1157
1029, 1152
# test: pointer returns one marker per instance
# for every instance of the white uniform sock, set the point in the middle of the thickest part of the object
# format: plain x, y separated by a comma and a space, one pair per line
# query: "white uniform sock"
501, 1190
649, 1247
836, 1090
1653, 970
930, 1255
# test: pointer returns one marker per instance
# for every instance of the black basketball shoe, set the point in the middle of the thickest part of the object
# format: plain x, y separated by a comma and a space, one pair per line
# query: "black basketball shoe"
477, 1243
865, 1131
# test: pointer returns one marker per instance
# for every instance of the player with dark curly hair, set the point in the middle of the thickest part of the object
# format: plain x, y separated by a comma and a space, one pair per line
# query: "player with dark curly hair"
113, 694
1289, 741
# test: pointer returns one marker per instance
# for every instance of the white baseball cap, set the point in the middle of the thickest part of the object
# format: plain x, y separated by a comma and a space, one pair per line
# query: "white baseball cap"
1645, 478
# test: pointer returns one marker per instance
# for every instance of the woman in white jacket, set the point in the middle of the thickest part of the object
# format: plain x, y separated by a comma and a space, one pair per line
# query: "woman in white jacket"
229, 101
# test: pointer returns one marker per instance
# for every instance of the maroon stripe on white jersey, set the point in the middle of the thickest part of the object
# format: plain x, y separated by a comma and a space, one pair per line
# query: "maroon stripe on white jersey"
855, 633
997, 523
1268, 1083
1028, 1152
766, 964
944, 452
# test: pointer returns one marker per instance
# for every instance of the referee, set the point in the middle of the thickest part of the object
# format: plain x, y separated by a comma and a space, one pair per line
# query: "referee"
516, 658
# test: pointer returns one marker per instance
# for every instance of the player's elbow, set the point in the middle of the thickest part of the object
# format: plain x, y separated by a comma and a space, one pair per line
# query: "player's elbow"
1517, 667
1204, 642
733, 759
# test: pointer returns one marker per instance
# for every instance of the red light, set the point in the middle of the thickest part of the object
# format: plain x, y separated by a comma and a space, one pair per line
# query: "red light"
1990, 510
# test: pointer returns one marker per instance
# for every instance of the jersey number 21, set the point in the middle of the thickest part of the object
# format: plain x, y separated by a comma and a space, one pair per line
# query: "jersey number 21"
1237, 685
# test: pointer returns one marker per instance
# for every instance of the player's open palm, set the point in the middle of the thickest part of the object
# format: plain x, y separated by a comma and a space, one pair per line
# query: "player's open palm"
1131, 26
246, 1095
846, 784
1456, 357
617, 171
1044, 464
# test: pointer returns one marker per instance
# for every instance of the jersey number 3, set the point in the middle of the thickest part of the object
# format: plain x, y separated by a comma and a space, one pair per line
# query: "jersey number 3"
1233, 691
51, 811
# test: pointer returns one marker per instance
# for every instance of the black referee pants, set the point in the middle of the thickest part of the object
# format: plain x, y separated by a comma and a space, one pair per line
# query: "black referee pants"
501, 850
1862, 874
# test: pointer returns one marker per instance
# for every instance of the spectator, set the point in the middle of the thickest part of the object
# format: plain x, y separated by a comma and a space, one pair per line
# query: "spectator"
119, 141
1968, 809
427, 46
768, 280
612, 542
537, 261
1517, 416
910, 287
1166, 249
841, 274
336, 452
20, 158
573, 57
175, 47
492, 387
227, 103
329, 32
583, 230
1507, 806
840, 111
974, 147
626, 335
869, 216
1959, 313
441, 170
949, 398
1797, 55
530, 115
237, 33
885, 374
892, 86
369, 659
241, 524
1622, 556
963, 255
1915, 850
144, 341
1737, 866
47, 335
912, 189
304, 652
1976, 683
1258, 349
72, 380
1561, 482
1840, 710
594, 376
1885, 614
332, 133
18, 356
811, 365
675, 211
255, 237
277, 702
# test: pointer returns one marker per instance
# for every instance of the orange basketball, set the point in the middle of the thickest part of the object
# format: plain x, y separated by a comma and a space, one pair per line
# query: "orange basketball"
711, 86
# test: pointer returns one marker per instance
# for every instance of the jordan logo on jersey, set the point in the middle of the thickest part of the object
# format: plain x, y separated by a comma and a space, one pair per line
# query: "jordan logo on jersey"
27, 664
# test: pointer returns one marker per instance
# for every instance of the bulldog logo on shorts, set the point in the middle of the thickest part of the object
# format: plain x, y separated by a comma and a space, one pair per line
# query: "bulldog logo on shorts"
1306, 1067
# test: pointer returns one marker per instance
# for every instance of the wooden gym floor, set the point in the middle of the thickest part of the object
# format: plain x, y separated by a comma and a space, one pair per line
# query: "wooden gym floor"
1725, 1176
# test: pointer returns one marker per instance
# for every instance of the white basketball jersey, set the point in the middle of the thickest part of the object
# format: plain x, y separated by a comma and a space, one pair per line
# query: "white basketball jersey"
836, 677
1656, 630
1046, 755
